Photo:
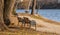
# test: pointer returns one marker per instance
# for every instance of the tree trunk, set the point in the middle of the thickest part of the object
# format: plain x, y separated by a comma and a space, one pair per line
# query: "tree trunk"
8, 9
38, 7
14, 9
33, 7
27, 6
2, 25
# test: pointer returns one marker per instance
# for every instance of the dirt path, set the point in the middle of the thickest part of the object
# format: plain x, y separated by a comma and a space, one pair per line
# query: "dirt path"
47, 27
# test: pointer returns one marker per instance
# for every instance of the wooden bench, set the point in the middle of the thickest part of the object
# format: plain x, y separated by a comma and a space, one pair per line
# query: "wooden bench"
20, 20
26, 20
33, 23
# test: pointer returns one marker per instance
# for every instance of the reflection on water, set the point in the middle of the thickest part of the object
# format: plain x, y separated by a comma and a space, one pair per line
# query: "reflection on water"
52, 14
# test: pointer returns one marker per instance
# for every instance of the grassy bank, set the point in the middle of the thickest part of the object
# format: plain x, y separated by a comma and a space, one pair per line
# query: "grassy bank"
41, 18
26, 32
46, 20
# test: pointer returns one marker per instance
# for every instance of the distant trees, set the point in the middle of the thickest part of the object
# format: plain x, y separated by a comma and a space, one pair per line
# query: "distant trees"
27, 7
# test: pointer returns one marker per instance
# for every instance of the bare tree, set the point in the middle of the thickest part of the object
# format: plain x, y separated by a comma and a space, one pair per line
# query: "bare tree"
38, 4
33, 7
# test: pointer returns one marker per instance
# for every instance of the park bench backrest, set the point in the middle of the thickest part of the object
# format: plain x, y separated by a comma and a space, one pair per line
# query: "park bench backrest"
33, 22
26, 20
20, 19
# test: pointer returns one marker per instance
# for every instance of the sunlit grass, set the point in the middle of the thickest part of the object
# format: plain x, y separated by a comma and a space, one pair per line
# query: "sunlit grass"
27, 32
40, 18
32, 32
45, 19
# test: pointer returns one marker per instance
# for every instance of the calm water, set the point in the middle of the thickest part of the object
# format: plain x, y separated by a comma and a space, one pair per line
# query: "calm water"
52, 14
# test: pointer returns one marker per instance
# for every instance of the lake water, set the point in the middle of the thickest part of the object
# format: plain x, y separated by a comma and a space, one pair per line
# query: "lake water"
52, 14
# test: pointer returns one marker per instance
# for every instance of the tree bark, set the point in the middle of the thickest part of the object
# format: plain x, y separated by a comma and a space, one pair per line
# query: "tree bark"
2, 25
33, 7
8, 9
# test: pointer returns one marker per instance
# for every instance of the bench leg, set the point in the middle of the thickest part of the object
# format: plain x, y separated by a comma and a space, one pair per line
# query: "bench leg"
18, 23
29, 26
24, 25
35, 27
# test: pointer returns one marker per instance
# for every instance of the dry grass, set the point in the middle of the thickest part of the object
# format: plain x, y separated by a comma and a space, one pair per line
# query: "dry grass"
32, 32
46, 20
26, 31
